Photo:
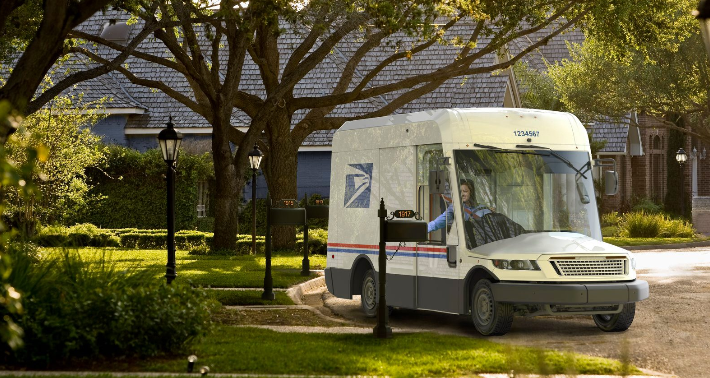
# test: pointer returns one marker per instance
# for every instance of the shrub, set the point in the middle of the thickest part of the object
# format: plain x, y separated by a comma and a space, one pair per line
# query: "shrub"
646, 205
80, 235
611, 219
73, 310
677, 228
641, 225
645, 225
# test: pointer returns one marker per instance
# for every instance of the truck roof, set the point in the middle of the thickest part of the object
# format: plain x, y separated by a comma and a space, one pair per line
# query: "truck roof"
503, 127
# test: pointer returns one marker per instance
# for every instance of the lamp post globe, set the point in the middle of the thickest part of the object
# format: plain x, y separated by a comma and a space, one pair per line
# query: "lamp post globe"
702, 14
169, 140
255, 157
681, 157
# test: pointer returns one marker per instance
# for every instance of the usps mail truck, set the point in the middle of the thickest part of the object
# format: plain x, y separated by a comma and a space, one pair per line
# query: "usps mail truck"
514, 227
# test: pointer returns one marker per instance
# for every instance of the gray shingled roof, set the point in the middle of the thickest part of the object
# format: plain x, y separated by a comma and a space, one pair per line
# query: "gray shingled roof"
485, 90
614, 130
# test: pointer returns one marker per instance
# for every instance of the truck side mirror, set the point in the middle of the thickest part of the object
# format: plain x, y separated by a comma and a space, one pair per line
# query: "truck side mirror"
611, 183
582, 191
437, 182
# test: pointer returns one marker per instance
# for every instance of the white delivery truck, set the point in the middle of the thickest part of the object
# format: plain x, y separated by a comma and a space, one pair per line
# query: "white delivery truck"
525, 240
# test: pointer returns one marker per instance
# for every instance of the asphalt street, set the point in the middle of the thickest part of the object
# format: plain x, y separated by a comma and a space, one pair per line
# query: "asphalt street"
670, 333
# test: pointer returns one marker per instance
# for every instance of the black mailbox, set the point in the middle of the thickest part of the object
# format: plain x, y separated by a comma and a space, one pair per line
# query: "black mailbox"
287, 217
406, 230
317, 211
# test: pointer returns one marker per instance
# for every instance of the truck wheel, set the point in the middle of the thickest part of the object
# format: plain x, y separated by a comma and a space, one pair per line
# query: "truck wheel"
490, 318
616, 322
368, 298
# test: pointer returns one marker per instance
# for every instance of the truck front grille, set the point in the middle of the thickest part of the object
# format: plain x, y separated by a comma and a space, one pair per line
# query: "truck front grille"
586, 268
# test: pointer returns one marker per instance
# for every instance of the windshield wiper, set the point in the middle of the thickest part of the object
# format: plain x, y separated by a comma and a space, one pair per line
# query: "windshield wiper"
558, 156
486, 147
504, 150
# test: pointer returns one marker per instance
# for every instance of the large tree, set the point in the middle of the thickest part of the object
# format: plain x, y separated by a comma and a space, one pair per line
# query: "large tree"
385, 49
34, 38
668, 81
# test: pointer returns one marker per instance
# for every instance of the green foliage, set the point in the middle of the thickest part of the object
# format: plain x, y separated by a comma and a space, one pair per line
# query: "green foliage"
641, 224
657, 79
132, 189
60, 132
76, 311
611, 219
80, 235
646, 205
16, 177
537, 89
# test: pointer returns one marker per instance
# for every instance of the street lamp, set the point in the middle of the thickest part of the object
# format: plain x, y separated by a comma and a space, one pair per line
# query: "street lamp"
702, 14
169, 140
254, 160
681, 157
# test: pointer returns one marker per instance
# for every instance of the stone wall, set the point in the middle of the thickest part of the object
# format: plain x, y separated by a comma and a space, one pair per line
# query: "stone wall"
701, 214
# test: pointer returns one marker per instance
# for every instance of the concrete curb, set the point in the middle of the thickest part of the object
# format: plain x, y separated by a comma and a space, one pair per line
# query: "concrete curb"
296, 292
668, 246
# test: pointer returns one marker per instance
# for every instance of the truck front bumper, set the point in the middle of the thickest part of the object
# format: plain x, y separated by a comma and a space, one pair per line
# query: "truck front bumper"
571, 294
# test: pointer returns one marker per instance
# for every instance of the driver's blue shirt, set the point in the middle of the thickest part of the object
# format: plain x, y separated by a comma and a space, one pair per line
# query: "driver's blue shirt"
447, 217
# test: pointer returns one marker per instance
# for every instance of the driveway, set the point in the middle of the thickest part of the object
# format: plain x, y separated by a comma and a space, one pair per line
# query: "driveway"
670, 333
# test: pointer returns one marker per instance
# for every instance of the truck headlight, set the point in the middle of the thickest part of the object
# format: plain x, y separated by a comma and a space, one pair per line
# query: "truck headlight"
633, 263
516, 264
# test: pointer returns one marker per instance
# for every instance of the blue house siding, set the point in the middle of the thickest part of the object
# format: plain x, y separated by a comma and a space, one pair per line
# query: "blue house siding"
110, 129
313, 176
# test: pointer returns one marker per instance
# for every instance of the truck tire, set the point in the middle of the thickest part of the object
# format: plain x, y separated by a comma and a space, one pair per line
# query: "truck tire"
368, 298
490, 318
616, 322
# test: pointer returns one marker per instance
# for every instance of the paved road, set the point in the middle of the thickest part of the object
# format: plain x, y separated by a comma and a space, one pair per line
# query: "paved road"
670, 334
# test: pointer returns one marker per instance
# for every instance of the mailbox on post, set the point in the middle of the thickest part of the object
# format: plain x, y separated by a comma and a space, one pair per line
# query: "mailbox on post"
398, 231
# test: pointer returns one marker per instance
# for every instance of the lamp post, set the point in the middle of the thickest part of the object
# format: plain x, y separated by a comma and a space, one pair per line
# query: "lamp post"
702, 14
169, 140
254, 160
681, 157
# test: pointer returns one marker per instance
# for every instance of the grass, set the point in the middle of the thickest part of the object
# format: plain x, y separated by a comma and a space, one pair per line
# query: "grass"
248, 298
249, 350
284, 317
626, 242
213, 271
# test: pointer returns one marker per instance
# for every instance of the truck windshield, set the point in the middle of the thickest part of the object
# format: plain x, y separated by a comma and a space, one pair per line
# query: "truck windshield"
525, 191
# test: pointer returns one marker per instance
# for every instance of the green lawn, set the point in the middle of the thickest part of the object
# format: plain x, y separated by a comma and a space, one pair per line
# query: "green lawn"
253, 350
248, 297
214, 271
625, 242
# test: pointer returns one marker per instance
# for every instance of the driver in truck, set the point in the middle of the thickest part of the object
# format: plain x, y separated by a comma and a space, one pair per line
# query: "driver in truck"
468, 200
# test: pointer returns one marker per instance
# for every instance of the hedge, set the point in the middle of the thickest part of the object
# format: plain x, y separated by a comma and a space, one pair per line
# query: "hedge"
133, 190
196, 242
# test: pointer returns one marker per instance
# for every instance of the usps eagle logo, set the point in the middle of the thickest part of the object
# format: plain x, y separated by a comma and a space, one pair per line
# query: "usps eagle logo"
357, 186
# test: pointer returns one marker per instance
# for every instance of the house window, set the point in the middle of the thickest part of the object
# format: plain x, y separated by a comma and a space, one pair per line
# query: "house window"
202, 198
656, 142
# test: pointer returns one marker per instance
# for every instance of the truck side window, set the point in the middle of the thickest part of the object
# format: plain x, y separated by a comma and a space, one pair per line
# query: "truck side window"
432, 203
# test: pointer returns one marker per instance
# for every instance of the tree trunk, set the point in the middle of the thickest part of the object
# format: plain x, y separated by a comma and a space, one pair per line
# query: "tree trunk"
227, 193
283, 164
